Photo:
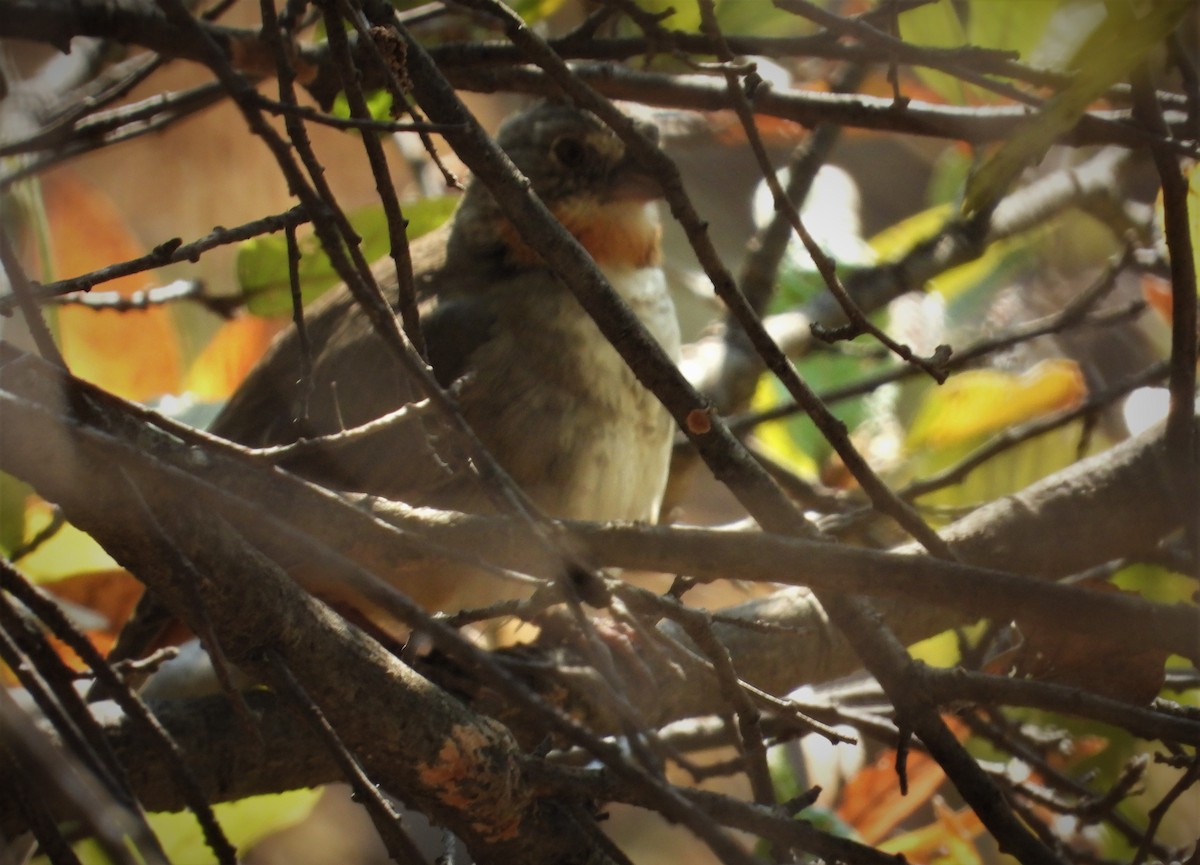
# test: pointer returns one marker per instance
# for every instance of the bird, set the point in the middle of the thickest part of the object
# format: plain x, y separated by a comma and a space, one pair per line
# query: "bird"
533, 376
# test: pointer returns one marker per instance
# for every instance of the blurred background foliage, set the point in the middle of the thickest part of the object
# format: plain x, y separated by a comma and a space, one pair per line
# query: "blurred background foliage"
879, 197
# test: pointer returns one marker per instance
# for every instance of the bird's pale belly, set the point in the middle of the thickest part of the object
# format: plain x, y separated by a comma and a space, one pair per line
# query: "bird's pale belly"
622, 469
584, 438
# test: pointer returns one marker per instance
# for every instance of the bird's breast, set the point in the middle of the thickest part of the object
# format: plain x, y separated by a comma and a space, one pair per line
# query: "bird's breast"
575, 428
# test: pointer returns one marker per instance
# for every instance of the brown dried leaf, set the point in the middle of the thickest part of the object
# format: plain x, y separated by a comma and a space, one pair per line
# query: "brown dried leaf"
1114, 665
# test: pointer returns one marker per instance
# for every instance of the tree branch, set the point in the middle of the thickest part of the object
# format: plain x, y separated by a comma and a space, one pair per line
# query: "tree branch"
43, 444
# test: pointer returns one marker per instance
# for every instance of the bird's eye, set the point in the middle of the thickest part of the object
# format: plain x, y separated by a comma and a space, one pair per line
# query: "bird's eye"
569, 152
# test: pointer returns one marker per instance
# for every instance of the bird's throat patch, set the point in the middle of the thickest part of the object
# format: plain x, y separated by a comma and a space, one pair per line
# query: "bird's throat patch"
615, 233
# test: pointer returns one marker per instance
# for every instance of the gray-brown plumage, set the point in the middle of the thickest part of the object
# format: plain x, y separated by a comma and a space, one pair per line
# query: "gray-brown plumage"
534, 377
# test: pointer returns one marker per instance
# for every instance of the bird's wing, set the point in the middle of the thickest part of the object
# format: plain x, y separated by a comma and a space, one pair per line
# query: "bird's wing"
356, 378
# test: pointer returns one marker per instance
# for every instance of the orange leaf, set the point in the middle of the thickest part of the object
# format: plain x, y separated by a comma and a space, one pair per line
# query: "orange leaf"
1157, 293
729, 131
872, 802
229, 356
136, 354
111, 594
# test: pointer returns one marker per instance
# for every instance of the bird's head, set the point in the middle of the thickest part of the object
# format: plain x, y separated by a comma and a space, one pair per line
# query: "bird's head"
581, 171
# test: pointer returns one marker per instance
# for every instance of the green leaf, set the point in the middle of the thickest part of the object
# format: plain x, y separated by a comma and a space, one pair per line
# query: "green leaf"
262, 265
429, 213
796, 441
1006, 473
942, 650
379, 106
738, 17
897, 240
13, 494
948, 175
1193, 208
936, 25
686, 16
1071, 23
791, 776
1118, 46
1156, 583
1008, 26
791, 441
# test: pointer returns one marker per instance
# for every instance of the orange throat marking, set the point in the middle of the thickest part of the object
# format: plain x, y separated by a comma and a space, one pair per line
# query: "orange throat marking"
615, 234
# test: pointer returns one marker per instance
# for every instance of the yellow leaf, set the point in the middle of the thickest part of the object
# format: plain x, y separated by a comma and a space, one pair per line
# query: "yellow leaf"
901, 237
778, 438
135, 355
898, 240
245, 822
70, 551
978, 402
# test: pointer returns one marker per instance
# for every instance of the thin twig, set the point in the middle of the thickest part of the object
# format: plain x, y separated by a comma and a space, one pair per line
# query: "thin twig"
385, 818
23, 292
44, 534
168, 252
951, 686
40, 767
41, 673
306, 360
112, 84
116, 689
398, 241
831, 428
975, 125
124, 123
906, 52
143, 299
364, 124
750, 735
1074, 313
1159, 812
1185, 345
190, 581
994, 727
46, 678
766, 251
